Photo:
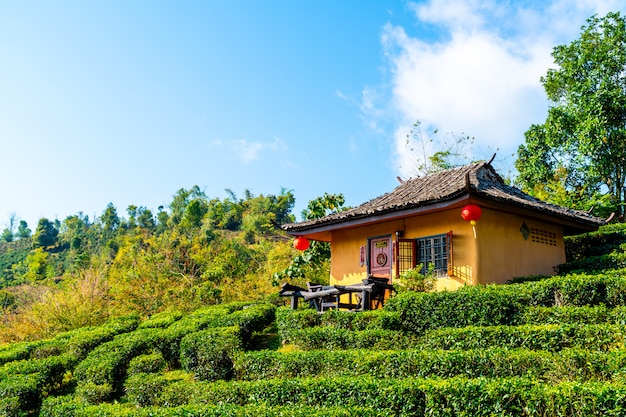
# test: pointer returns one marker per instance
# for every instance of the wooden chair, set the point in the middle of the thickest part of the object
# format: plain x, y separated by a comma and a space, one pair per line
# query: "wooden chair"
322, 303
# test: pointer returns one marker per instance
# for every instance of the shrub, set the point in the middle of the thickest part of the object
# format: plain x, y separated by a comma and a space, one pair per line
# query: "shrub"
477, 305
161, 320
208, 354
357, 320
333, 338
105, 366
143, 389
21, 392
48, 373
253, 318
414, 396
414, 280
566, 315
85, 340
601, 337
148, 363
491, 362
288, 320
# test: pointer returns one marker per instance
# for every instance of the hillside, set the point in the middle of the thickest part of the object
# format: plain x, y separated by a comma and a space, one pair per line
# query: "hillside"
551, 346
196, 252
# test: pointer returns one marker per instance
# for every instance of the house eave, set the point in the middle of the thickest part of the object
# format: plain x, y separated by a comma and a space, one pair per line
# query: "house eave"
324, 231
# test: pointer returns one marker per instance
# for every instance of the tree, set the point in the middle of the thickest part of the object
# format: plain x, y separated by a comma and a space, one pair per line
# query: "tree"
314, 260
432, 154
46, 233
7, 235
23, 232
579, 152
110, 220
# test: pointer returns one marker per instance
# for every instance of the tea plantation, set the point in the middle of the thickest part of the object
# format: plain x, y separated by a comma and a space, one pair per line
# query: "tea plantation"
536, 347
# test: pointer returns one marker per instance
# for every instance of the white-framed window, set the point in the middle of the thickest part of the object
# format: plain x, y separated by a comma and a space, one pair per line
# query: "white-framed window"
435, 250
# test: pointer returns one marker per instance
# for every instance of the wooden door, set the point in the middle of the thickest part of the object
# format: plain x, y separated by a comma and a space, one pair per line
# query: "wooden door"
380, 259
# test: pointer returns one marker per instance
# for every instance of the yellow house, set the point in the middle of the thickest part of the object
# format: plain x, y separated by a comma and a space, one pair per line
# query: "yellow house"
420, 223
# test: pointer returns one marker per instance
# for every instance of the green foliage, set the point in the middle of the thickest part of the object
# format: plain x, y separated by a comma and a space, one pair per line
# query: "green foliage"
485, 362
148, 363
333, 338
45, 234
550, 337
422, 311
291, 323
313, 263
504, 304
208, 354
432, 154
552, 346
581, 146
414, 280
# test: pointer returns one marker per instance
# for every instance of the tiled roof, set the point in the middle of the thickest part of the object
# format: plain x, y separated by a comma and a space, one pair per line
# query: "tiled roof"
478, 179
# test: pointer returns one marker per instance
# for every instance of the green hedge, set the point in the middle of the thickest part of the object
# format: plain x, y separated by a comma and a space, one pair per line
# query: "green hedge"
148, 363
161, 320
208, 354
20, 394
567, 315
475, 305
505, 304
411, 396
568, 364
332, 338
101, 374
68, 408
289, 321
552, 337
249, 320
75, 342
602, 242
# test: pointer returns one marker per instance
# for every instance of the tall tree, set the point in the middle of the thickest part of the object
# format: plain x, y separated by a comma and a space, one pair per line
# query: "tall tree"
23, 231
110, 220
431, 153
46, 233
7, 235
314, 260
579, 153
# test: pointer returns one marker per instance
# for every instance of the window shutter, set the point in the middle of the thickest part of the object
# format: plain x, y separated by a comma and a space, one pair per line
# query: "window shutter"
450, 254
406, 255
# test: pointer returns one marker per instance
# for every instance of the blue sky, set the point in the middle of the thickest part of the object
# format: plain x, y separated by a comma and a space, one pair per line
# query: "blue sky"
128, 101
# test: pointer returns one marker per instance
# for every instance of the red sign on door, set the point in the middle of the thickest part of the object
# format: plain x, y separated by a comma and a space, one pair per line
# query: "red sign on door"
380, 257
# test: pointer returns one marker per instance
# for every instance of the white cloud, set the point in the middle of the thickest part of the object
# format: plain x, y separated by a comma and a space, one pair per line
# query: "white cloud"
480, 76
248, 151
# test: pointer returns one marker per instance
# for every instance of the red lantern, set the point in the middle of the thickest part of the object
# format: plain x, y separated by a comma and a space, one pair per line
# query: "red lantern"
471, 213
301, 243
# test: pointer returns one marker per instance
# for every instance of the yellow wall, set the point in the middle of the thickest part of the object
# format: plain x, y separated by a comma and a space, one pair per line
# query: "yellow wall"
504, 253
498, 253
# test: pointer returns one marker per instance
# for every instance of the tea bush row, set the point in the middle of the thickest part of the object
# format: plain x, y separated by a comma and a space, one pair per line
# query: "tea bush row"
288, 321
550, 337
568, 364
208, 354
332, 338
475, 305
604, 241
505, 304
400, 397
100, 376
77, 342
23, 383
68, 408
